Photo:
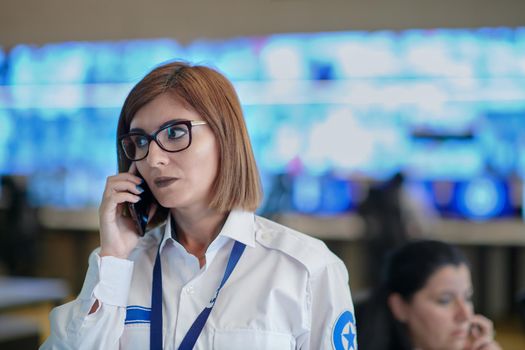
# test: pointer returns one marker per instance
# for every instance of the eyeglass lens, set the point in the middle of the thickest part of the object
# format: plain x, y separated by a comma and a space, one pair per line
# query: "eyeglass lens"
172, 138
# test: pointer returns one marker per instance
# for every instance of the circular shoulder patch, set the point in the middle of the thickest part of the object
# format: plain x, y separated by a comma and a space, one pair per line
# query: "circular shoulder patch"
344, 334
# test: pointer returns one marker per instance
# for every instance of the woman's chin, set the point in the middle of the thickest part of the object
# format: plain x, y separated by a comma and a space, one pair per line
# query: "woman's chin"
170, 202
458, 343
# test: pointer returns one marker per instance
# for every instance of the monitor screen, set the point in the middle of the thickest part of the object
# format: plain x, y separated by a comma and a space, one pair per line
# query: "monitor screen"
326, 110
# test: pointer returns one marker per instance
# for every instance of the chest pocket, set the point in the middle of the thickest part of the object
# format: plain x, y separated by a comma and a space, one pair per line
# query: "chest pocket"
242, 339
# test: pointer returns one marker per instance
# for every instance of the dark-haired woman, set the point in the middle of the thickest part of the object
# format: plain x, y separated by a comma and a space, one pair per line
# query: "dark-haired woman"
424, 303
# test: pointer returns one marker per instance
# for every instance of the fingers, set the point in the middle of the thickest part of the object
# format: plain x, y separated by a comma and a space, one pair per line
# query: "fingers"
121, 192
124, 182
482, 326
125, 176
483, 334
113, 205
118, 235
117, 186
120, 188
122, 197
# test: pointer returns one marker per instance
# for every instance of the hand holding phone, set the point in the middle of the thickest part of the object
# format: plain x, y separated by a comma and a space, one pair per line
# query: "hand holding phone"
118, 232
481, 334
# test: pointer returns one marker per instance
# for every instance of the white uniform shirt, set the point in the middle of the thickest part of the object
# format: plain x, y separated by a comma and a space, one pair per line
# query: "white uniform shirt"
288, 291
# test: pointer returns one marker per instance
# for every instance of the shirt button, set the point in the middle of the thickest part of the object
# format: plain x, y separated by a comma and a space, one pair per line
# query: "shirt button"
190, 290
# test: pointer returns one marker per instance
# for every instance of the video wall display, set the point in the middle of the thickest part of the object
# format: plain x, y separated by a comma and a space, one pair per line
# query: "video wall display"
327, 113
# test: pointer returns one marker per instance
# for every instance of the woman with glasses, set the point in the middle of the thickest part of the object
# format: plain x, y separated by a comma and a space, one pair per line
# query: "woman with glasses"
424, 303
208, 273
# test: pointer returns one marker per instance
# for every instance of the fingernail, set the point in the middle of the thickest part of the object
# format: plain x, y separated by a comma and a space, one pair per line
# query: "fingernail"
140, 188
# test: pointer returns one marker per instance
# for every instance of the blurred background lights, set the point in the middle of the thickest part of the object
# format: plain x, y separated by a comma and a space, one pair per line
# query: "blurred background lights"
482, 198
306, 194
324, 110
282, 59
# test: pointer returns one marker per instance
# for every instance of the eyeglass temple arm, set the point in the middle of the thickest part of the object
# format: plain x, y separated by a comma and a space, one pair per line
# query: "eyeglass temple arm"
198, 122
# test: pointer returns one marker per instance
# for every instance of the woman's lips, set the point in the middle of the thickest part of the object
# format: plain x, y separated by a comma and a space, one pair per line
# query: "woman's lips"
460, 333
164, 181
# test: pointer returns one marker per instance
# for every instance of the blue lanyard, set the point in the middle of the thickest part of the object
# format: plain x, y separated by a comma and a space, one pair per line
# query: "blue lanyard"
196, 328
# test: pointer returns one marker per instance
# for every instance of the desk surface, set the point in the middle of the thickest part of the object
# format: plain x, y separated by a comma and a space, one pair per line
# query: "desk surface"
18, 292
347, 227
351, 227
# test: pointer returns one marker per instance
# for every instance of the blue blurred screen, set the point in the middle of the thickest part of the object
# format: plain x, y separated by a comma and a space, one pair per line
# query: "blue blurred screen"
323, 108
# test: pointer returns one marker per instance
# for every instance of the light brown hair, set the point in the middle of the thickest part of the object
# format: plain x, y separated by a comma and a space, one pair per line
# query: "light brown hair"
213, 97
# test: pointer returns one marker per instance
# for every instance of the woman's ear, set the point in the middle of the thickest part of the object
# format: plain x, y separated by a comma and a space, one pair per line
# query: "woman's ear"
398, 306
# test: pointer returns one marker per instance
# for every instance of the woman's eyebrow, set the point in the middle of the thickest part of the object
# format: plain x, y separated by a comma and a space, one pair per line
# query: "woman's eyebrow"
176, 120
172, 121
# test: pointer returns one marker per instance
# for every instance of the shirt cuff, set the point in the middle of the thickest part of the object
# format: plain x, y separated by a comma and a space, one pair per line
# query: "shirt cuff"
114, 281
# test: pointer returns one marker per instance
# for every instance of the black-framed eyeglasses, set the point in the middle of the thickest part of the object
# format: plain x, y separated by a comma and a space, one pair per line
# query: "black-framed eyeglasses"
174, 136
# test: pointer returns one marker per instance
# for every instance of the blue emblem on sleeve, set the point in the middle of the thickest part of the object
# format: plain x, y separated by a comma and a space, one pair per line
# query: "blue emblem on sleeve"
343, 335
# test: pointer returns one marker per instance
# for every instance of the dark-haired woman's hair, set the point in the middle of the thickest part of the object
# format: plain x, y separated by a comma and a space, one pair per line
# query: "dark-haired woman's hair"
405, 271
409, 267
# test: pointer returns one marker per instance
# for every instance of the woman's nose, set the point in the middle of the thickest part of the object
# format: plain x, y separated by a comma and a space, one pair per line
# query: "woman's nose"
156, 155
463, 310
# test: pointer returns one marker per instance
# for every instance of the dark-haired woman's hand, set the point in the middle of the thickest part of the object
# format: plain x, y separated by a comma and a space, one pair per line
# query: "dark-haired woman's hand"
118, 233
482, 334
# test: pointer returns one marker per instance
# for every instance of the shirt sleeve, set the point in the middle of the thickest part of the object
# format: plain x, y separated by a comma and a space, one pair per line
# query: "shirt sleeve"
332, 320
72, 327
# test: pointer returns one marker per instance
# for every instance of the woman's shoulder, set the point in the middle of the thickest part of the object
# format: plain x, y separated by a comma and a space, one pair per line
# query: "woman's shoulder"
309, 251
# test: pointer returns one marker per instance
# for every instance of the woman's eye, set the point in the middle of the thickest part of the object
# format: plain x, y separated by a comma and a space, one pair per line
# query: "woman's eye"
444, 300
141, 142
175, 132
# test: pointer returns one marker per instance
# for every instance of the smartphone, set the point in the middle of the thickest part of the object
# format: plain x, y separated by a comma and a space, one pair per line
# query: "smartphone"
140, 211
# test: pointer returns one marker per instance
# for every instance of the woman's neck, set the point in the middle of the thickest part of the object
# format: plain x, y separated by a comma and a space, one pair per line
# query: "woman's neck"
196, 230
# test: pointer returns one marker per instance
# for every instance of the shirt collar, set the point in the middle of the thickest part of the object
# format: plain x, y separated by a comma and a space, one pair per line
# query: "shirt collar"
239, 226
